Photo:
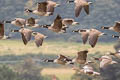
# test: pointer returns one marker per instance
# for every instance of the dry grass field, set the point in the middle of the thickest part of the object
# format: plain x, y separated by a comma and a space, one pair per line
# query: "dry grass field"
61, 73
16, 47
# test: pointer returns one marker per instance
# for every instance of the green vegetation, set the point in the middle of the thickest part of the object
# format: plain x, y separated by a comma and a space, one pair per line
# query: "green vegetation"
21, 60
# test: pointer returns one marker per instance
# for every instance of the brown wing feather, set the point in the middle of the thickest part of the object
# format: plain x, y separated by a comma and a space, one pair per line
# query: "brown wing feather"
42, 7
57, 23
38, 40
93, 37
31, 21
78, 9
50, 8
24, 39
86, 8
1, 30
82, 55
18, 23
84, 37
117, 26
63, 58
27, 33
67, 21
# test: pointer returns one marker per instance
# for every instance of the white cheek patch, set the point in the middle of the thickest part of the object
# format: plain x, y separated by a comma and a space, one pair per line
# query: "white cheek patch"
55, 61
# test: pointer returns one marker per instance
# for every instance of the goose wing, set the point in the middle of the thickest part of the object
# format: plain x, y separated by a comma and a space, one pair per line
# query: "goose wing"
82, 55
39, 39
57, 23
1, 30
42, 6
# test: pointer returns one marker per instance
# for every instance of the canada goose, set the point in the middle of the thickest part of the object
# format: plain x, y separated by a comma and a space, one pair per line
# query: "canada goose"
79, 4
2, 32
87, 69
115, 28
44, 8
116, 54
69, 21
105, 61
60, 60
38, 38
91, 34
32, 22
81, 58
56, 26
26, 34
84, 35
20, 22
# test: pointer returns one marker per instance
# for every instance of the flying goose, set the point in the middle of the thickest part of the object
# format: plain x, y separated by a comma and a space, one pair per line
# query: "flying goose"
81, 57
20, 22
57, 25
61, 59
115, 28
26, 34
38, 38
91, 34
87, 69
105, 61
2, 32
69, 21
32, 22
79, 4
116, 54
84, 34
44, 8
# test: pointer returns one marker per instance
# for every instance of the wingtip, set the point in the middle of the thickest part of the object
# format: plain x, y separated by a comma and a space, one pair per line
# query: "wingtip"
92, 46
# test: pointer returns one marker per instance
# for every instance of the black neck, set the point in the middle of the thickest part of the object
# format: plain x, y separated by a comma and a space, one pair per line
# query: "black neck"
71, 1
50, 60
82, 30
106, 28
45, 26
14, 30
75, 31
29, 10
7, 21
116, 36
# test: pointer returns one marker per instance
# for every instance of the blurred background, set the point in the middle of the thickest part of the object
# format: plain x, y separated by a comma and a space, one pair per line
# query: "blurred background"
17, 62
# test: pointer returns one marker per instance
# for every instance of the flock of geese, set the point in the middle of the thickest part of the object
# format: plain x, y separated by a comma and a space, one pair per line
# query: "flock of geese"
60, 25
